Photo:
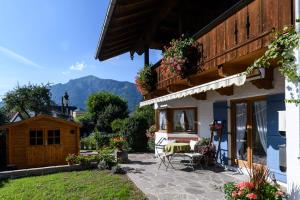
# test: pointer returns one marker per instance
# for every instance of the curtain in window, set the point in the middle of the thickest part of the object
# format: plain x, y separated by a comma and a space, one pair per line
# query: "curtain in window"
178, 118
162, 120
190, 118
241, 124
260, 111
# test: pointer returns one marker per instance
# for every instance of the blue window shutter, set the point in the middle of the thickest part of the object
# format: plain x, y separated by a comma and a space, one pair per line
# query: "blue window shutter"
220, 110
275, 103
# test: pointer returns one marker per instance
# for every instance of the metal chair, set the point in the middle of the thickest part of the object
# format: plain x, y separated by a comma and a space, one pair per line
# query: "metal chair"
165, 158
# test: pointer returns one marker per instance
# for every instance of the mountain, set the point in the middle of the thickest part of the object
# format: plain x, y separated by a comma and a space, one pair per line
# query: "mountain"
79, 90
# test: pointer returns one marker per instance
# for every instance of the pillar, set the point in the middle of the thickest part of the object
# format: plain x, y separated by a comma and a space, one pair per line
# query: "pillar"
293, 125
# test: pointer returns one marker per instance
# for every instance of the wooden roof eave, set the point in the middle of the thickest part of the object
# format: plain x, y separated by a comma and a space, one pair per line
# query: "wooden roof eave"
109, 13
5, 126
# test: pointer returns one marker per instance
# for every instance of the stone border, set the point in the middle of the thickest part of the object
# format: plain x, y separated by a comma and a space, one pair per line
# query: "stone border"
41, 171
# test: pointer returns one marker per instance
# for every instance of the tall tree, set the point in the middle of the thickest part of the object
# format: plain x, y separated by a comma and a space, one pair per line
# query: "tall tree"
3, 117
29, 98
104, 108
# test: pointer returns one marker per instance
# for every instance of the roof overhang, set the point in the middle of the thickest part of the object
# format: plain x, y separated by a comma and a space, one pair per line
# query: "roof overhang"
234, 80
135, 25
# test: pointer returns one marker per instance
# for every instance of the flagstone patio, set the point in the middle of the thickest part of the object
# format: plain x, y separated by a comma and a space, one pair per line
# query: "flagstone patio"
177, 184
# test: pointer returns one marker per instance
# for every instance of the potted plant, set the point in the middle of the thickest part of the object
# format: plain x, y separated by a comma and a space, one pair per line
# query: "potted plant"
257, 187
120, 145
181, 57
145, 80
72, 159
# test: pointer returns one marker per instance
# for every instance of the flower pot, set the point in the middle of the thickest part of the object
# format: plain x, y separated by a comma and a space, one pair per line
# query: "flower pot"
121, 155
70, 163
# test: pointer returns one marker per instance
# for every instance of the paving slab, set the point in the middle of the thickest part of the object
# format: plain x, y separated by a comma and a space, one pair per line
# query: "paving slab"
181, 183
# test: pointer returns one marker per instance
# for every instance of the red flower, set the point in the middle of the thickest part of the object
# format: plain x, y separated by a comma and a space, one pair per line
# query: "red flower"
234, 194
251, 196
244, 185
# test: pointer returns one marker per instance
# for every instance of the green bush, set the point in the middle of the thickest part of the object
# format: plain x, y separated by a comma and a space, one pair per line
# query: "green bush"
116, 125
106, 155
134, 128
151, 145
87, 160
147, 112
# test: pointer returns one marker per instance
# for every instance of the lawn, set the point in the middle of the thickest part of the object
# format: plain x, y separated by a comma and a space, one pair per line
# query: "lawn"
71, 185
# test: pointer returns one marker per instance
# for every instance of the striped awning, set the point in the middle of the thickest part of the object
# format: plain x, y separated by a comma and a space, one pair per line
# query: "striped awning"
237, 80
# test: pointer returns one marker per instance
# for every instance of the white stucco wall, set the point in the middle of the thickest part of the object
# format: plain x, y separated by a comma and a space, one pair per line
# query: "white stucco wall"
205, 107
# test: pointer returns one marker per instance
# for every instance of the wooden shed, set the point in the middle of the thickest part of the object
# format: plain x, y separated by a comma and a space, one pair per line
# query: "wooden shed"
38, 141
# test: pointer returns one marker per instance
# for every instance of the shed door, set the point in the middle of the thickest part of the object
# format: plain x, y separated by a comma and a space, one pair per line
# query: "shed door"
2, 149
45, 148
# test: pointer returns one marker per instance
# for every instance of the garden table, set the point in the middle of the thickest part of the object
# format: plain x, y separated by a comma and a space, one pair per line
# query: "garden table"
177, 148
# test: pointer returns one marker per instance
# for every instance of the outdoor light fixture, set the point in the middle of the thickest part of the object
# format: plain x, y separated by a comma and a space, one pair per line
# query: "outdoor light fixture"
281, 123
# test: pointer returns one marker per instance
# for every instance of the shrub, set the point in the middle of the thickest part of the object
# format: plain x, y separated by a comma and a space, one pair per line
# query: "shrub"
134, 128
116, 125
147, 112
88, 160
72, 159
107, 159
88, 142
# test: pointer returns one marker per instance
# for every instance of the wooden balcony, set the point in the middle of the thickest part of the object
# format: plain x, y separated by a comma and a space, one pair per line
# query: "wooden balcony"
231, 43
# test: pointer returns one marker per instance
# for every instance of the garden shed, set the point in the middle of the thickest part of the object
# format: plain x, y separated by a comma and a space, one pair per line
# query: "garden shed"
38, 141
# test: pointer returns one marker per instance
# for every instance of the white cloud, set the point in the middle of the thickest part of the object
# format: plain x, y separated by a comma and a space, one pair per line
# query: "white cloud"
66, 72
78, 66
19, 58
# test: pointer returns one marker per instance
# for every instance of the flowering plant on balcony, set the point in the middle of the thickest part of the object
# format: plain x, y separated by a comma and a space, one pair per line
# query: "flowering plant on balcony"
145, 80
181, 57
257, 188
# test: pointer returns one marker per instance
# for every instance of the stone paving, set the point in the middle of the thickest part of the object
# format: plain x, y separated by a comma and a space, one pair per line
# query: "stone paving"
181, 184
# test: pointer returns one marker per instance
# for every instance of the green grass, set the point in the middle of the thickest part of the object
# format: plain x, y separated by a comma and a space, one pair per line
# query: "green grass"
82, 185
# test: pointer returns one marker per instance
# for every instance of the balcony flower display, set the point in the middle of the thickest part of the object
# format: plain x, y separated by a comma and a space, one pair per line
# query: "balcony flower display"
182, 57
145, 80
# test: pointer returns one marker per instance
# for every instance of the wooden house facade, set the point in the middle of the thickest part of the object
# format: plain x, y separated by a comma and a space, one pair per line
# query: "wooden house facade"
39, 141
232, 35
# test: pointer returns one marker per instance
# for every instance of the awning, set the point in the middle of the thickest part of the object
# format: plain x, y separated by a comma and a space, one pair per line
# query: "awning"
237, 80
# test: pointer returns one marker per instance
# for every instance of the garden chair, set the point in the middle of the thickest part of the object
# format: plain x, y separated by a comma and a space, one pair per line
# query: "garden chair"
193, 157
165, 157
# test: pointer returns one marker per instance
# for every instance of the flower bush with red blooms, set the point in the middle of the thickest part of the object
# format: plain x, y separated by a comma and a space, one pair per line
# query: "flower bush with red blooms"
257, 188
118, 142
145, 80
180, 57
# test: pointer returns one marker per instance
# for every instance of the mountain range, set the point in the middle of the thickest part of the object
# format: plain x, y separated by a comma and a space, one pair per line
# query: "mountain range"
80, 89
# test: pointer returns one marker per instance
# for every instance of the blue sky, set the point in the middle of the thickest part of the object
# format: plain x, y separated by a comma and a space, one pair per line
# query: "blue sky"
55, 41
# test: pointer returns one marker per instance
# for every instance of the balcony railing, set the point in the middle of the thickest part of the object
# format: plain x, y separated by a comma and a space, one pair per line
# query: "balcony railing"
237, 40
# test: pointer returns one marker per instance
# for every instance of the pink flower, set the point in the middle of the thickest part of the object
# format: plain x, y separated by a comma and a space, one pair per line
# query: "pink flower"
251, 196
279, 193
240, 193
244, 185
234, 194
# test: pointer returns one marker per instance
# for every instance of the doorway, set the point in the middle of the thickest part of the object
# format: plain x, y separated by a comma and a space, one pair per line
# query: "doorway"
249, 123
2, 149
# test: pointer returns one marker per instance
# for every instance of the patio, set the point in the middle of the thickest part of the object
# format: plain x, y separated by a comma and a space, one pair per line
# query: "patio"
177, 184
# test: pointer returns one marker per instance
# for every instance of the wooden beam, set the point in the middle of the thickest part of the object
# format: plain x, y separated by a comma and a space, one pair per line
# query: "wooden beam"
146, 56
176, 88
227, 91
200, 96
267, 82
149, 32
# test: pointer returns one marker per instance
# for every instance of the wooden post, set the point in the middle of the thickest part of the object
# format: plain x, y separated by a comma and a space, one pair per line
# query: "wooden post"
169, 121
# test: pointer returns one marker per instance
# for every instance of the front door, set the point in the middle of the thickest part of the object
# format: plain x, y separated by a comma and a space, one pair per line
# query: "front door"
249, 144
2, 149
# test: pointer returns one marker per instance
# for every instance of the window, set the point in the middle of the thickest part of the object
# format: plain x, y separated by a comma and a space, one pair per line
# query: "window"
162, 120
54, 136
184, 119
36, 137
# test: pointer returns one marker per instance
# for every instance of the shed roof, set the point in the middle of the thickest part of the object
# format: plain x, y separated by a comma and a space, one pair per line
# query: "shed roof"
39, 117
133, 25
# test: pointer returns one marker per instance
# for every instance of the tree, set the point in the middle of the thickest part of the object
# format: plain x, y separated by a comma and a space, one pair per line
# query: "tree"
147, 112
104, 108
3, 117
29, 98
